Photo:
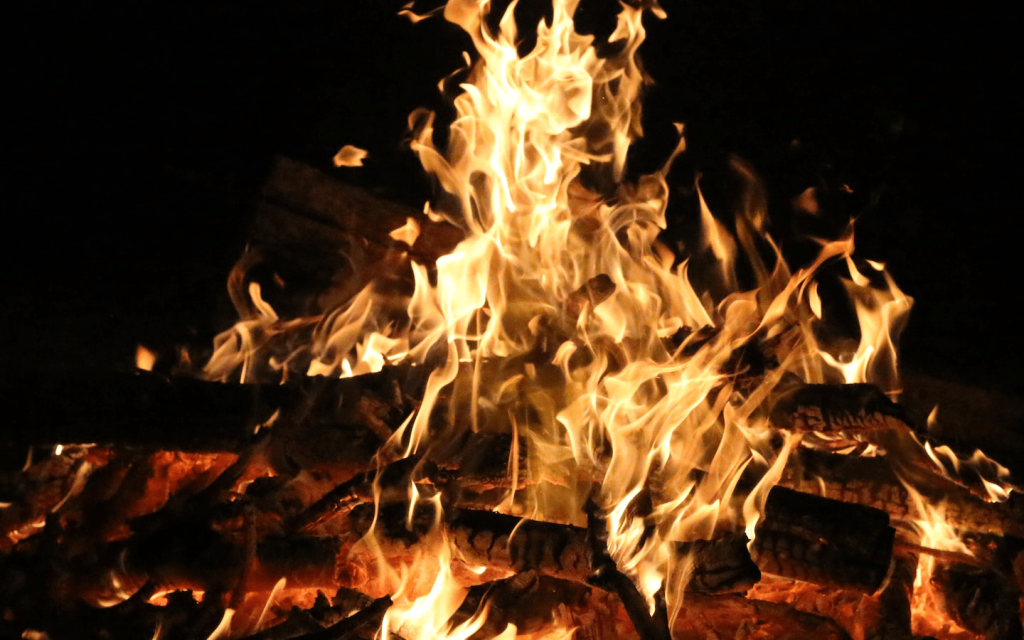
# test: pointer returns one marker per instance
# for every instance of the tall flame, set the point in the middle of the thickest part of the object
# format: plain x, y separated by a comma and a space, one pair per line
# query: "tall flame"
561, 319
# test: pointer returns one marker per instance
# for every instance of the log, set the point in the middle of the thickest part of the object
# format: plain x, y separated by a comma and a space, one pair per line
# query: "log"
528, 600
363, 621
720, 565
347, 417
823, 541
307, 192
828, 409
872, 482
980, 600
881, 616
732, 616
517, 545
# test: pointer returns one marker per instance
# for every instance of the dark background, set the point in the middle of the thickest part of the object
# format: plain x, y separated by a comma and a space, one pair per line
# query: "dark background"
138, 134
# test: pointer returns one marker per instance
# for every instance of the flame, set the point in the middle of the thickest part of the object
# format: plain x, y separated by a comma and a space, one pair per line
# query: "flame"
935, 532
561, 319
407, 233
144, 358
349, 156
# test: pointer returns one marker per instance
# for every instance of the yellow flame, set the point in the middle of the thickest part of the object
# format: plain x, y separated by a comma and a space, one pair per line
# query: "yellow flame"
562, 320
144, 358
407, 233
349, 156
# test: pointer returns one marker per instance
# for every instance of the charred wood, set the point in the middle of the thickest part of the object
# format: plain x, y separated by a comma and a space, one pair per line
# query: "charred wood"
516, 545
305, 191
894, 615
731, 616
980, 600
143, 410
528, 600
832, 409
365, 621
872, 482
649, 625
823, 541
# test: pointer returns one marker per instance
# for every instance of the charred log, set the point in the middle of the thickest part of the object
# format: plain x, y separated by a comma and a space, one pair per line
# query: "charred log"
823, 541
527, 600
872, 482
832, 409
981, 600
305, 191
144, 410
730, 616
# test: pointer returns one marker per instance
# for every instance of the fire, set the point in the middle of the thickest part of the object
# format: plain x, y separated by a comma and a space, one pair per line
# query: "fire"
349, 156
144, 358
561, 319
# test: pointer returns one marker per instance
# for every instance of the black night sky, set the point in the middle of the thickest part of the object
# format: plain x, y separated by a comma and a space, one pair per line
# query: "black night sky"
141, 131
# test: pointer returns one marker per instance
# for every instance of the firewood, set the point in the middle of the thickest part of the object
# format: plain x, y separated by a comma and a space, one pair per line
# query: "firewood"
980, 600
883, 616
732, 616
516, 545
306, 191
833, 409
365, 620
527, 600
649, 625
823, 541
872, 482
346, 417
894, 615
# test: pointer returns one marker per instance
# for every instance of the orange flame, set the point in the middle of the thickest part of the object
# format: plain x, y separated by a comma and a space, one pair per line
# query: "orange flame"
561, 319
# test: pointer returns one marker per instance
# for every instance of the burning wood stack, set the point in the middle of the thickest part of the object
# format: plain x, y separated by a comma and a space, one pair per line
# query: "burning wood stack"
511, 415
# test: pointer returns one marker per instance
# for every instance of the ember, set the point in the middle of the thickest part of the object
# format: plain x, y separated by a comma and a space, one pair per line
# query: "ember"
516, 414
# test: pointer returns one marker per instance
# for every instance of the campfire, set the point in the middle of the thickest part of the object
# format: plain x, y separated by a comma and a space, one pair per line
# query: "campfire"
519, 412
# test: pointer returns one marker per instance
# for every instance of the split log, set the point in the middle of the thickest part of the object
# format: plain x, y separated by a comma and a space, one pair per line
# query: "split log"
823, 541
883, 616
872, 482
347, 417
831, 410
528, 600
980, 600
305, 191
496, 540
731, 616
321, 241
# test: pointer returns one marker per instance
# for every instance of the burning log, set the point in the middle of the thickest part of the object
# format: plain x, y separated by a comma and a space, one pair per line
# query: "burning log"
823, 541
327, 240
731, 616
833, 409
360, 624
516, 545
872, 482
886, 614
980, 600
348, 417
301, 190
528, 600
